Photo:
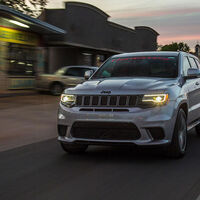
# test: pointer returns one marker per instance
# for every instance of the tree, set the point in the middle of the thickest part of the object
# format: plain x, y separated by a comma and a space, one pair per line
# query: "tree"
174, 46
28, 7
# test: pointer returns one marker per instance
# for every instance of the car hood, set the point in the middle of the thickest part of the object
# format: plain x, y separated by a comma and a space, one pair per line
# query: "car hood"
124, 84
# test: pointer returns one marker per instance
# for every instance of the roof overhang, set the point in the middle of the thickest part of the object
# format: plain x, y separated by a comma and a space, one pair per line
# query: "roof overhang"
72, 44
36, 25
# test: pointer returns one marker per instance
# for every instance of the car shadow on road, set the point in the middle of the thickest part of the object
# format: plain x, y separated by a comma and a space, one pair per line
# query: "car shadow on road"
132, 153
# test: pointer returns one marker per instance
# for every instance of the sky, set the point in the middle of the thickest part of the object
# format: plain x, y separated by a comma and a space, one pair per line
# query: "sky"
174, 20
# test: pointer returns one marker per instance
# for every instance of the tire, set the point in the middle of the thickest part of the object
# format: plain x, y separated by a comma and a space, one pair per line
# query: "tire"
56, 89
177, 148
74, 148
198, 129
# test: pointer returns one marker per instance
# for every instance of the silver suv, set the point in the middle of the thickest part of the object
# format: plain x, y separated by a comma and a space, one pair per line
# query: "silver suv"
146, 99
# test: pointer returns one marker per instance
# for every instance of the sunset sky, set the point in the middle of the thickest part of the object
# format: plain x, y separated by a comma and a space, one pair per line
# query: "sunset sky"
174, 20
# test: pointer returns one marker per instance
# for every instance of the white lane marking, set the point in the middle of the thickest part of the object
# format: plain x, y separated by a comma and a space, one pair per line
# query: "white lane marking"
198, 198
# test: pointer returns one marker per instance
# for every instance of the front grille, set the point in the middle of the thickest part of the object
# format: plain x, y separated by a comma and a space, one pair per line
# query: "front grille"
107, 100
105, 131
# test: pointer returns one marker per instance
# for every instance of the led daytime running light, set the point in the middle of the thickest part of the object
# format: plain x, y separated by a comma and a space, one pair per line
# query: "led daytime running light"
156, 98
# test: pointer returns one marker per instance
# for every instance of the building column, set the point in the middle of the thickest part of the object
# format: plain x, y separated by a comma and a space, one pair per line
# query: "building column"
3, 65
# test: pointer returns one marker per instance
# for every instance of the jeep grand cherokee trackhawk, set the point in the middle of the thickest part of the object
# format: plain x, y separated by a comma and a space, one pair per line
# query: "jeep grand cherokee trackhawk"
146, 98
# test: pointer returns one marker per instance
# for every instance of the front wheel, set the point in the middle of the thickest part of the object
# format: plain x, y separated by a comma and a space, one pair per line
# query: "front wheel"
74, 148
178, 145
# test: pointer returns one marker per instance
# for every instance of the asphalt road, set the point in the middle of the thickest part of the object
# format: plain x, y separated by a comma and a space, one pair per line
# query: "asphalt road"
42, 171
27, 119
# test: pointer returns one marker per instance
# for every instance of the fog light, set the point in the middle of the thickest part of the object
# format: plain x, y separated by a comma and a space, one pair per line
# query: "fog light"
61, 116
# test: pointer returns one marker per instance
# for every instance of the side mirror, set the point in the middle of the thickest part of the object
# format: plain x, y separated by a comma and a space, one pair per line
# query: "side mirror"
88, 74
193, 73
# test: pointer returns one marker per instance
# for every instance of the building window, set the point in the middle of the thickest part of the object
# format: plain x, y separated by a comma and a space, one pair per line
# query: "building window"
22, 60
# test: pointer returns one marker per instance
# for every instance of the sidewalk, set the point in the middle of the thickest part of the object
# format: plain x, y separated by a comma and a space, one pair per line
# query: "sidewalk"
11, 93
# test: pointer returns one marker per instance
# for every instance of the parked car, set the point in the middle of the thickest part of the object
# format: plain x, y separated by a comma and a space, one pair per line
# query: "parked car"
145, 99
65, 77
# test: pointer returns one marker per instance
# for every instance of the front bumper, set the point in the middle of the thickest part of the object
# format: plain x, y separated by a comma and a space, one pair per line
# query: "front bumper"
163, 117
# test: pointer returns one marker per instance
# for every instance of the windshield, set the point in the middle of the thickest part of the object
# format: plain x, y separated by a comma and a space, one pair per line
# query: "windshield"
148, 66
61, 71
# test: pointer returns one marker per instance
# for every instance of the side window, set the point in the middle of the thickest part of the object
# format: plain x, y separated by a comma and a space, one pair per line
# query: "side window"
83, 70
73, 72
193, 63
186, 65
197, 62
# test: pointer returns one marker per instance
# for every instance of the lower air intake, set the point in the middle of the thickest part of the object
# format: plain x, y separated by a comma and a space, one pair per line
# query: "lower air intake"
62, 130
105, 131
157, 133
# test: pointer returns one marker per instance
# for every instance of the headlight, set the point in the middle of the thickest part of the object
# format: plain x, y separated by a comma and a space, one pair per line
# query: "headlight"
68, 100
155, 98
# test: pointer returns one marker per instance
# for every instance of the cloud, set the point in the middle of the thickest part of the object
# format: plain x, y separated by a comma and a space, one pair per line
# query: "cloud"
172, 24
133, 13
179, 38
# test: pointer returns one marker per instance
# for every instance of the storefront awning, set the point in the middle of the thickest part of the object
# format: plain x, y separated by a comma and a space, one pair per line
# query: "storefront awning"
35, 25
